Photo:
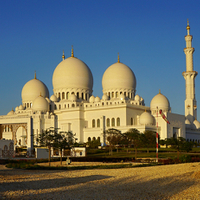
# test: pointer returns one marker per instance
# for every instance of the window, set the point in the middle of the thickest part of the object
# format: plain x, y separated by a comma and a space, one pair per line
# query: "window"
98, 139
113, 121
131, 121
82, 96
98, 122
59, 107
77, 94
63, 95
59, 95
118, 121
108, 122
109, 94
89, 139
112, 94
93, 138
93, 123
67, 95
73, 105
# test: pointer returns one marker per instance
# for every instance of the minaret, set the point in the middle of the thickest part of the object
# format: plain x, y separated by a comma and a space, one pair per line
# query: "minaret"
189, 75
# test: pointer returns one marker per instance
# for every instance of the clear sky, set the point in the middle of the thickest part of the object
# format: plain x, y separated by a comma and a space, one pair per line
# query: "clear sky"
148, 34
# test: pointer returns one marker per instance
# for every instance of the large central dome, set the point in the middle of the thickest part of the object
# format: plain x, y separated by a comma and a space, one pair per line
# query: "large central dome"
72, 76
72, 73
119, 78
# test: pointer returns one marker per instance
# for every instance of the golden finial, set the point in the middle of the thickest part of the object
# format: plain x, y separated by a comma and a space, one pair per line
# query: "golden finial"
72, 55
35, 75
159, 91
188, 27
63, 56
118, 58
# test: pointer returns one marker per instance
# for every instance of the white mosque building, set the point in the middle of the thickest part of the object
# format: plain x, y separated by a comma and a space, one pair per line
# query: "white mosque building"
72, 107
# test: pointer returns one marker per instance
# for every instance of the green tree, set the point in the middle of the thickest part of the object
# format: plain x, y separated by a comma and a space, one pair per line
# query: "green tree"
94, 143
148, 139
134, 138
187, 146
46, 139
114, 137
177, 143
62, 141
51, 138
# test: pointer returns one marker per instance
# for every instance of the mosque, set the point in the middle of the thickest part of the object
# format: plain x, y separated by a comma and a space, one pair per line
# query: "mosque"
72, 107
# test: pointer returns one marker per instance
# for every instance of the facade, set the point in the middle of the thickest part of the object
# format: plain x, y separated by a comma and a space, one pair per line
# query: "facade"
72, 107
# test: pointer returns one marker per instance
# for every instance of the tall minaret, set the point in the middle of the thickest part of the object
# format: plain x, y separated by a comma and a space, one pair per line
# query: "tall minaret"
189, 75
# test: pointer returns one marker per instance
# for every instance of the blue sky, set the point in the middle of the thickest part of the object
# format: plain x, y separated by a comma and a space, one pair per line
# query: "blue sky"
149, 36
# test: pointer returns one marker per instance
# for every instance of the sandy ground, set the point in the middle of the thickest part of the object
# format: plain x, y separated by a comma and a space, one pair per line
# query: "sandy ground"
180, 181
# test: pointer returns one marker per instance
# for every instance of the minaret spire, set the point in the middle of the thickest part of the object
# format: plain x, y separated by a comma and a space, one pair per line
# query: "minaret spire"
35, 75
188, 27
118, 59
63, 56
72, 54
189, 75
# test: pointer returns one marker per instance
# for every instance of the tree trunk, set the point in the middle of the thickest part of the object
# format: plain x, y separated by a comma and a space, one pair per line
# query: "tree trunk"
49, 156
135, 153
178, 154
61, 157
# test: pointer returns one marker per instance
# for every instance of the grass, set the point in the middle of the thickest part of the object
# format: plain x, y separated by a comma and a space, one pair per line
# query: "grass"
122, 154
38, 167
141, 153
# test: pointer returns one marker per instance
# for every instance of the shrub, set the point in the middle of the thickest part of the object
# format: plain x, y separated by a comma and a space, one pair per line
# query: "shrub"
185, 158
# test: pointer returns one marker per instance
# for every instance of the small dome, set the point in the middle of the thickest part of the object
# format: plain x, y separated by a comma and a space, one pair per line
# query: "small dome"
137, 97
21, 107
73, 97
146, 119
54, 98
161, 102
32, 89
196, 124
40, 104
105, 97
92, 99
17, 108
97, 99
11, 112
122, 97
